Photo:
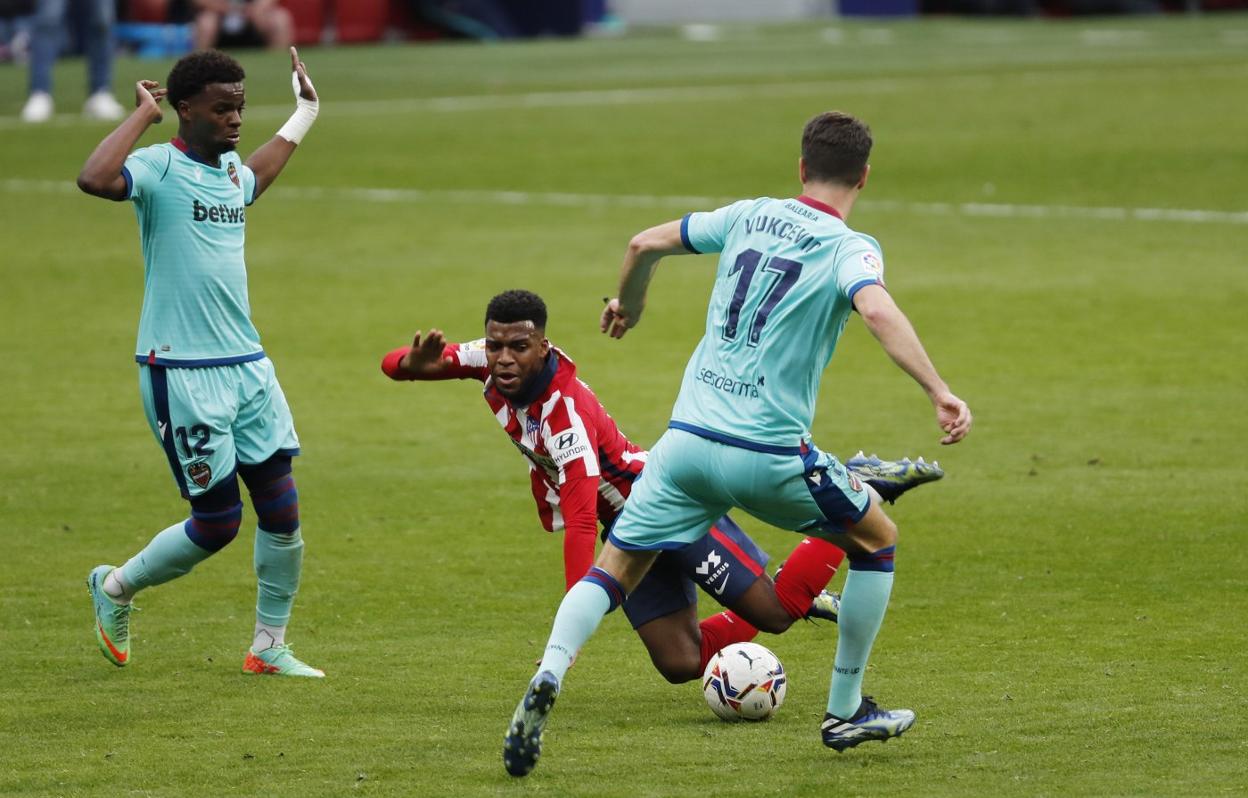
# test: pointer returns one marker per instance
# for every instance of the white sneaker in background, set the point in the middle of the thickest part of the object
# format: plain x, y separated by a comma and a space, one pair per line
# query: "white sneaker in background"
38, 107
102, 105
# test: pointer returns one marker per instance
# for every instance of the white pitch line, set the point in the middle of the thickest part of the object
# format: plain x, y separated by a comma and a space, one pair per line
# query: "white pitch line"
736, 92
563, 199
543, 99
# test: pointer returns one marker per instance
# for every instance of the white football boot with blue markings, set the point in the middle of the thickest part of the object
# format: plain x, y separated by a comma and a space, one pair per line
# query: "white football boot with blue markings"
826, 606
868, 723
891, 478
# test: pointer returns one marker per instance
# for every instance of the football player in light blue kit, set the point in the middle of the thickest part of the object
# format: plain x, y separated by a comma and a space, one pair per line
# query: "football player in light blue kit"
790, 271
210, 393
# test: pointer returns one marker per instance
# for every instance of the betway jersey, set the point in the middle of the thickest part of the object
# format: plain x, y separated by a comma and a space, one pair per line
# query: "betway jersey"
560, 428
787, 274
192, 219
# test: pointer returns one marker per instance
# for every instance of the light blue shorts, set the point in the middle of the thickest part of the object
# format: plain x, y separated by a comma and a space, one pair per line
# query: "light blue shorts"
211, 419
690, 481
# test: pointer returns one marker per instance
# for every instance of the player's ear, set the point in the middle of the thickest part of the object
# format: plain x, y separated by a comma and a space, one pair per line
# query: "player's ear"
862, 181
801, 169
545, 349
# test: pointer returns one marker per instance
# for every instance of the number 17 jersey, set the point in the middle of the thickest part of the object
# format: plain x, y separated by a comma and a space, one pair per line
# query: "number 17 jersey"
788, 271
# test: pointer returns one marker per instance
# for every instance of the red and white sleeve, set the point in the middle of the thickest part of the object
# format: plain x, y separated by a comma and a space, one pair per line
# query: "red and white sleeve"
467, 362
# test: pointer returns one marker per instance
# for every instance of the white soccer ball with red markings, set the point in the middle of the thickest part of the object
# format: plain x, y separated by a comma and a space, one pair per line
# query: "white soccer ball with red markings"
744, 681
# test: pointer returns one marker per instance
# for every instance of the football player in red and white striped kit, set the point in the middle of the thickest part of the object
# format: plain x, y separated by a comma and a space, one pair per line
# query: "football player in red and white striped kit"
582, 468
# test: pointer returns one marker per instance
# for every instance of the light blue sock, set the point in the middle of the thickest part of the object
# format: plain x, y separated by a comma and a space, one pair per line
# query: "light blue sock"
278, 561
170, 554
863, 602
579, 615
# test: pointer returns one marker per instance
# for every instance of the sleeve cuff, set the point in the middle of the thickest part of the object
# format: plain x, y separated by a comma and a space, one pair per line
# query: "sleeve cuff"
129, 183
861, 284
684, 234
390, 364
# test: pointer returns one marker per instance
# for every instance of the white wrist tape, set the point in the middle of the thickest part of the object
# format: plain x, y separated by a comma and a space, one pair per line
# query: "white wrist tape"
301, 120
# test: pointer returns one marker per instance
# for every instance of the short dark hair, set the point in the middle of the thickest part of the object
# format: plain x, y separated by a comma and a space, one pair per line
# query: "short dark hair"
835, 147
517, 305
195, 71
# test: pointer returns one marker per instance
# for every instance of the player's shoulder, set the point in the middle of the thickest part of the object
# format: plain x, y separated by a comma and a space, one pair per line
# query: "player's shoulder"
568, 392
856, 243
155, 154
735, 210
744, 207
470, 353
565, 382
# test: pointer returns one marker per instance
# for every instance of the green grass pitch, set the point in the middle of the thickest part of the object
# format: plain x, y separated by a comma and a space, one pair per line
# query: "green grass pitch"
1062, 211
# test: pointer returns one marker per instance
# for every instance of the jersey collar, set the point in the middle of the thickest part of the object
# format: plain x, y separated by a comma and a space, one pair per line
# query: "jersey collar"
820, 206
540, 385
186, 150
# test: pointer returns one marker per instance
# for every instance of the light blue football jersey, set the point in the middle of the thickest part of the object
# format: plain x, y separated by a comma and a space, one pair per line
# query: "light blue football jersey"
787, 274
192, 221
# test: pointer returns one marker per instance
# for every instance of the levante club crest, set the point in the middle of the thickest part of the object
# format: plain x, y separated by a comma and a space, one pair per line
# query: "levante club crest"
200, 473
233, 173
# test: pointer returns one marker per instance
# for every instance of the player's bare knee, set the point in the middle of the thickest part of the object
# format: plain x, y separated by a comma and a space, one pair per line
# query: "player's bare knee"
888, 533
677, 670
774, 622
874, 532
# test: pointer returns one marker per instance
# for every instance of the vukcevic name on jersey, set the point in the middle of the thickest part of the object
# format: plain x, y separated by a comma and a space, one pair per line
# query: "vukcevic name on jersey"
192, 220
784, 287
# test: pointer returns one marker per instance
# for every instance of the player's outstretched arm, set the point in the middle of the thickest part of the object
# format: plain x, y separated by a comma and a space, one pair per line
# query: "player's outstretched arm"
895, 333
645, 250
425, 360
101, 174
268, 161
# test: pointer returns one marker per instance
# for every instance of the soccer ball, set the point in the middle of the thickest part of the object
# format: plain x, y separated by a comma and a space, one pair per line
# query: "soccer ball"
744, 681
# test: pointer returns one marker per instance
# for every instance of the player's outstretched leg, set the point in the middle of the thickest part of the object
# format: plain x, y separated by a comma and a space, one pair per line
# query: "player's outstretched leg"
868, 723
112, 619
582, 609
523, 744
891, 478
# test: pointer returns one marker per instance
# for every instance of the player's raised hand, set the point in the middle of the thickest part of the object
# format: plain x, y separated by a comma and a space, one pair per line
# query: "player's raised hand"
302, 83
148, 95
615, 320
425, 356
953, 415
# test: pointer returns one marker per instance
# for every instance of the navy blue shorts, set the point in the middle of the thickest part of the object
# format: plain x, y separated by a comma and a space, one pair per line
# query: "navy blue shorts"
724, 563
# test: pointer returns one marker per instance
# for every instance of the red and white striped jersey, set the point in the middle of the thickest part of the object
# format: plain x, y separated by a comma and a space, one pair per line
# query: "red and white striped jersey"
581, 467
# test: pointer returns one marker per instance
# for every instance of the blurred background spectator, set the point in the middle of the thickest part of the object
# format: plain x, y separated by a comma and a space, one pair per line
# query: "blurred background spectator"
14, 36
48, 37
236, 23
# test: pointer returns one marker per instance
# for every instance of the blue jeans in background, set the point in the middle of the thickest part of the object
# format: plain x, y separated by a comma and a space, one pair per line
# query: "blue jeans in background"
48, 36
